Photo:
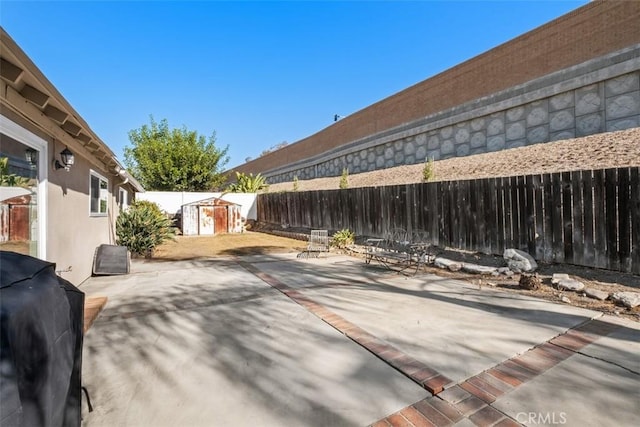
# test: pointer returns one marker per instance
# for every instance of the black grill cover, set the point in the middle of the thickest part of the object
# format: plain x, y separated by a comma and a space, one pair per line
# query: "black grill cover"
41, 317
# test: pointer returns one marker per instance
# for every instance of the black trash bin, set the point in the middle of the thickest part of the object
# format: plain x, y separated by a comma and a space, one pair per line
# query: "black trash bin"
41, 318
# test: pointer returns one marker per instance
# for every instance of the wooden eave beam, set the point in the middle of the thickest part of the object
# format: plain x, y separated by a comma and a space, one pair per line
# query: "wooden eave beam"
71, 128
9, 71
17, 103
84, 137
55, 114
34, 95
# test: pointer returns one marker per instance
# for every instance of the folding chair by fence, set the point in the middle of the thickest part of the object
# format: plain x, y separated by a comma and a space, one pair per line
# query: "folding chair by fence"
318, 243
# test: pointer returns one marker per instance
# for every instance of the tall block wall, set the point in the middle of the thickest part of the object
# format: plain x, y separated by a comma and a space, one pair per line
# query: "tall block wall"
592, 104
574, 76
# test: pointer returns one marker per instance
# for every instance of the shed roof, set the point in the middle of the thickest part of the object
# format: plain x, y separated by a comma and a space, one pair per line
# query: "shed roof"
212, 201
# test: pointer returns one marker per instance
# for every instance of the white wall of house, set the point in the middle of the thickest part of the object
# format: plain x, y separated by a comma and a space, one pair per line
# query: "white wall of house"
172, 201
66, 215
64, 230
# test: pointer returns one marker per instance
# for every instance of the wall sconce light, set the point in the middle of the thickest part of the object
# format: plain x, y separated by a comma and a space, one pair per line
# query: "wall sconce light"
67, 159
32, 157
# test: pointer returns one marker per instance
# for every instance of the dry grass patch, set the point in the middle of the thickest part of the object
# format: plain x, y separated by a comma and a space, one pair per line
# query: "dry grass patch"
247, 243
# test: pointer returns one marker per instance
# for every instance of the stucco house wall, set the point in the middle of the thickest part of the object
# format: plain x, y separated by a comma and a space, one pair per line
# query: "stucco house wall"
34, 115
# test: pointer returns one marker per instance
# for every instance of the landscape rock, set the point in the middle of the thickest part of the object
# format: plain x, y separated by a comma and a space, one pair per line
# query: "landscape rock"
447, 263
569, 285
477, 269
557, 277
565, 300
519, 261
596, 294
627, 299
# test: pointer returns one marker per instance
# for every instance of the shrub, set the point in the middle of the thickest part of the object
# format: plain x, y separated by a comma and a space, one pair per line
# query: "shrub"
428, 172
143, 227
248, 183
343, 238
344, 179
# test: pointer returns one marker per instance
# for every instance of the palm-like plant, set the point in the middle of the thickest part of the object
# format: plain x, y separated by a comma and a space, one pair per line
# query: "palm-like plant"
248, 183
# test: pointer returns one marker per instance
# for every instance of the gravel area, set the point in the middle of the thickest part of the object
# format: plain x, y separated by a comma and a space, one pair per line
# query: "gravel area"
605, 150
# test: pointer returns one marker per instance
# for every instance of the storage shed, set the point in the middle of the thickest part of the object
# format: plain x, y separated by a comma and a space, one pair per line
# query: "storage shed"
211, 216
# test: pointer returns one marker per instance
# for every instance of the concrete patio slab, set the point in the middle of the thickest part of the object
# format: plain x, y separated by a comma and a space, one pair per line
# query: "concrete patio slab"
214, 345
276, 340
450, 325
581, 391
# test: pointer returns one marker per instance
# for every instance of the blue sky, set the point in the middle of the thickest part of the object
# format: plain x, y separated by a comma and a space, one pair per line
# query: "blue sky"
256, 73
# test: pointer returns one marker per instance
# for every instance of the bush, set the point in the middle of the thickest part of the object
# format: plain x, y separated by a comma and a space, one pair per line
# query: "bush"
248, 183
143, 227
344, 179
343, 238
428, 172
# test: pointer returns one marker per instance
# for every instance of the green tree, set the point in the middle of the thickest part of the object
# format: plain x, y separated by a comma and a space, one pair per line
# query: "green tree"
165, 159
248, 183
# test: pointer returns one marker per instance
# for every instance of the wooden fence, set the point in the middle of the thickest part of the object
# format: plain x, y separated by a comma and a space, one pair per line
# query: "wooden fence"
589, 218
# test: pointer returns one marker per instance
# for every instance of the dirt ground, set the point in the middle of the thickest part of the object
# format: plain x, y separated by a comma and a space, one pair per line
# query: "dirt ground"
194, 247
247, 243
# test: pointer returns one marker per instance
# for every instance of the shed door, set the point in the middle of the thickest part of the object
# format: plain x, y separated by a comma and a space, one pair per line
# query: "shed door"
189, 220
206, 220
222, 221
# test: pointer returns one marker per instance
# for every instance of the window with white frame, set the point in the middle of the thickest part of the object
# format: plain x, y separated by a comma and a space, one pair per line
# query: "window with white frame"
123, 201
99, 186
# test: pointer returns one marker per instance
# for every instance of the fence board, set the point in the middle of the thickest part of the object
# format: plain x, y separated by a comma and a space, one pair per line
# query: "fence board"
445, 218
556, 219
538, 202
567, 217
477, 226
577, 210
514, 231
530, 215
454, 226
599, 218
500, 206
635, 220
464, 212
624, 220
611, 195
522, 213
587, 229
489, 200
548, 211
433, 207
